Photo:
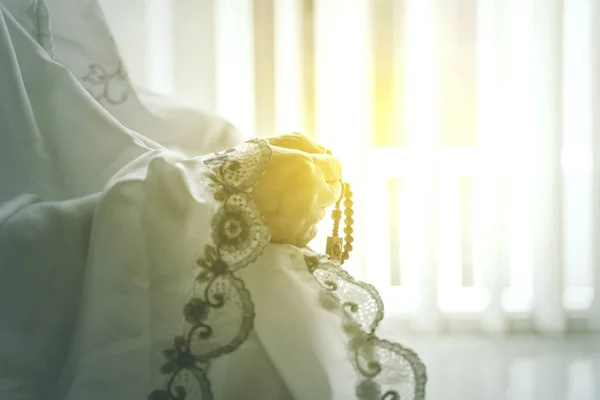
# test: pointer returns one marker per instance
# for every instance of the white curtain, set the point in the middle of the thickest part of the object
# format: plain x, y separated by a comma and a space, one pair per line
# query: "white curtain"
469, 130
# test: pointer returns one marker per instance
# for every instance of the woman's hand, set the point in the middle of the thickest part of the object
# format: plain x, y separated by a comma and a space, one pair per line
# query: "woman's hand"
302, 180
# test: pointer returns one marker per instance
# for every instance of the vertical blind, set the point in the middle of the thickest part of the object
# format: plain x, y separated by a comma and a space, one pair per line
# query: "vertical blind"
469, 130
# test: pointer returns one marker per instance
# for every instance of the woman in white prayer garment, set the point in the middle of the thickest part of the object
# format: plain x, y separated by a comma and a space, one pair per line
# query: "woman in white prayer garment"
129, 270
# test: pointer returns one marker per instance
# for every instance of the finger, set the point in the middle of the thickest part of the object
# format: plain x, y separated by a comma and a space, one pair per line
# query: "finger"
329, 166
297, 141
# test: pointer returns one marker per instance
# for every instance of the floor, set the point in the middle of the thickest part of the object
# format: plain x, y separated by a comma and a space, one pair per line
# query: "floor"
471, 367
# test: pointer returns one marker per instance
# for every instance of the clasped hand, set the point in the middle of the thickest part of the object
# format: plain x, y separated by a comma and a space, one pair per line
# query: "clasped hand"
302, 180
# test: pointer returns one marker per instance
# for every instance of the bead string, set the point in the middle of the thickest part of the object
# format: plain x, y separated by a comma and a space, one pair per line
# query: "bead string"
336, 214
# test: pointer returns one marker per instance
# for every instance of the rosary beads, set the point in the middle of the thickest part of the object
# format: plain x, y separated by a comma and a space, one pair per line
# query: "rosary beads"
338, 249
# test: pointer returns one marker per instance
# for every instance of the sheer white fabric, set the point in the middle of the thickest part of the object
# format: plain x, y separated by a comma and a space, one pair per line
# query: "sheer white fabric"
131, 271
83, 43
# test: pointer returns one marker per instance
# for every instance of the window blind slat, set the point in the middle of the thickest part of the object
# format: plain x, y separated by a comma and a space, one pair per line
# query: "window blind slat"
548, 310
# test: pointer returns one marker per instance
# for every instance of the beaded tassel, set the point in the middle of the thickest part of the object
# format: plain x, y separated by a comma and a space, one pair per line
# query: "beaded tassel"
339, 249
349, 221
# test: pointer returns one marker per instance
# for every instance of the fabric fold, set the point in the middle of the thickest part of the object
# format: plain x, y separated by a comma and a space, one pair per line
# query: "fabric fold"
57, 141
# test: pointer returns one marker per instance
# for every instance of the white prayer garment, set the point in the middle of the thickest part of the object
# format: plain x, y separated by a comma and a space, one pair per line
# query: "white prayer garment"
129, 270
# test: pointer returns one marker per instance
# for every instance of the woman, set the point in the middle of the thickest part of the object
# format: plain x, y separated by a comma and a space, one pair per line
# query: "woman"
131, 271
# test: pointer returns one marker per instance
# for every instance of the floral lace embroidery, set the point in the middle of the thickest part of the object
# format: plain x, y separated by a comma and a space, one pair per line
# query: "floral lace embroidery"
220, 314
388, 370
104, 81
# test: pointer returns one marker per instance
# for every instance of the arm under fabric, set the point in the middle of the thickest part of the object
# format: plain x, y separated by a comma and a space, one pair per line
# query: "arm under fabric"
177, 287
316, 323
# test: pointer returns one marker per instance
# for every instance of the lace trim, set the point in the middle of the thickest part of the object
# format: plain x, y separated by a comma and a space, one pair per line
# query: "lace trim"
388, 370
220, 314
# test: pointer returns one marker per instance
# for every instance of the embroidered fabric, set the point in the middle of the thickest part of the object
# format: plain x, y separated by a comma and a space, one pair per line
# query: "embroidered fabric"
44, 36
220, 314
102, 84
387, 370
33, 16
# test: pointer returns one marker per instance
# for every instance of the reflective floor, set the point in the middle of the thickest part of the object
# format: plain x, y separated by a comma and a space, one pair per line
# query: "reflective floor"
464, 367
